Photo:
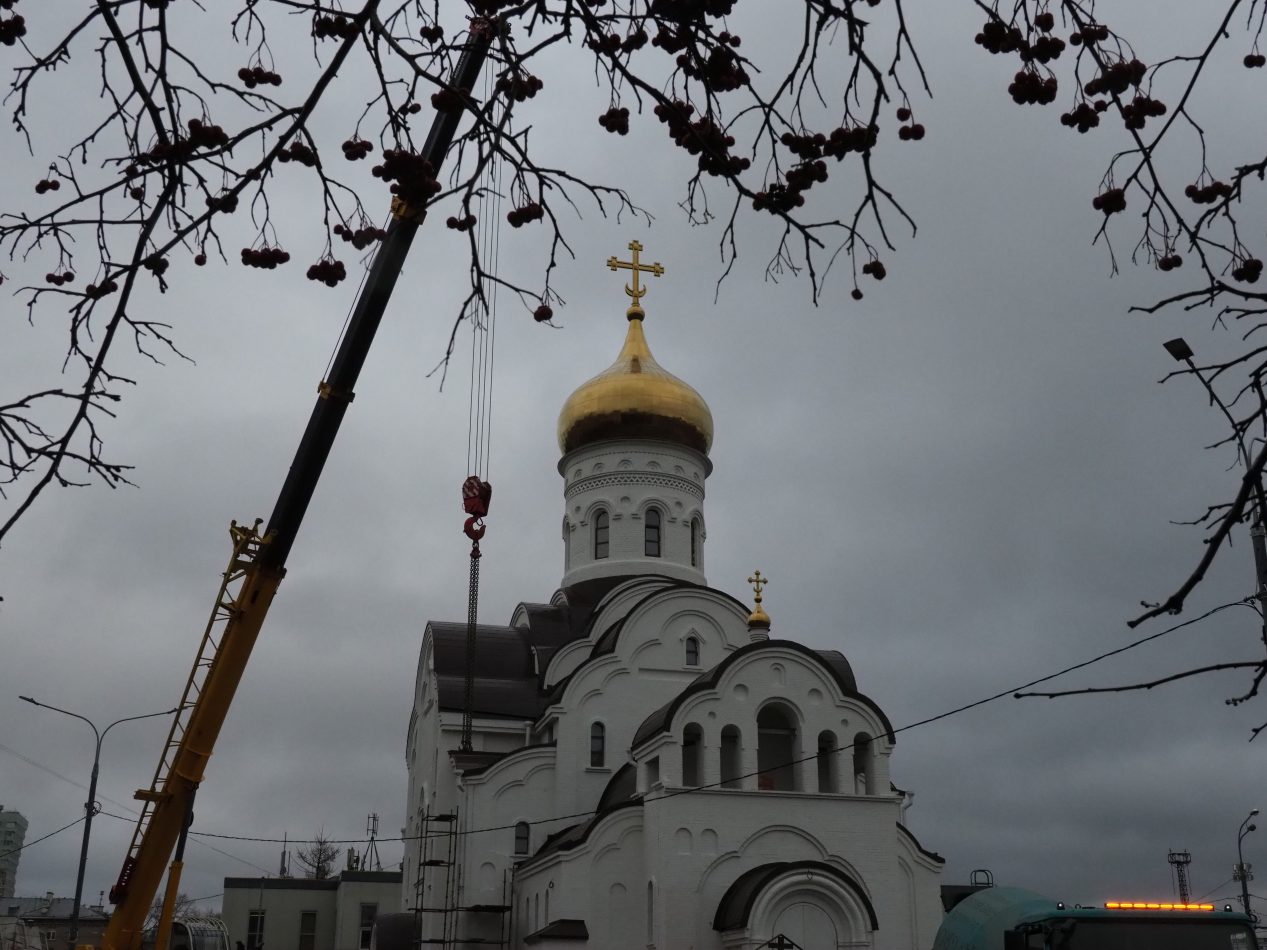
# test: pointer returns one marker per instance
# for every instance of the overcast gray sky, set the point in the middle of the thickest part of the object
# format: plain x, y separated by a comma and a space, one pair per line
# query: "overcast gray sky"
964, 482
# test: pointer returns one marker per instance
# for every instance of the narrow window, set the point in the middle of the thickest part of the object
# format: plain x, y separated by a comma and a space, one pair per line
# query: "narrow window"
255, 930
650, 913
601, 532
307, 930
731, 764
598, 745
368, 913
651, 533
863, 765
567, 544
522, 838
827, 762
692, 651
692, 756
695, 551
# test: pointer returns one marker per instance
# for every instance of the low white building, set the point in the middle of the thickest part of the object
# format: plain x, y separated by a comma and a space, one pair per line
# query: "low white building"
289, 913
649, 766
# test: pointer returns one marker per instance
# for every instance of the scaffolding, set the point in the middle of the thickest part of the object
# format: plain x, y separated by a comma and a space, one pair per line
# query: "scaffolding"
438, 914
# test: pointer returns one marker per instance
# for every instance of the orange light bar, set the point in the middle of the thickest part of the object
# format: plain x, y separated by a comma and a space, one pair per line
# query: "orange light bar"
1141, 905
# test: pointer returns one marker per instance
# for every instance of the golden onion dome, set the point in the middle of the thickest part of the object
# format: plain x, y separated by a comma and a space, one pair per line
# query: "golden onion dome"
635, 398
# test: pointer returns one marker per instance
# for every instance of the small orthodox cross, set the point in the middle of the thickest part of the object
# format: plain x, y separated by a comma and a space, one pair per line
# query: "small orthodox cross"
758, 584
780, 942
636, 292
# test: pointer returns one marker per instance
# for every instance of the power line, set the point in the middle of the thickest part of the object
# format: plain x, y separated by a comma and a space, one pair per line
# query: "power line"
38, 840
774, 768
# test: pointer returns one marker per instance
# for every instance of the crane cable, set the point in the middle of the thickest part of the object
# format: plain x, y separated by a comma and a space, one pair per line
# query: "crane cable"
477, 492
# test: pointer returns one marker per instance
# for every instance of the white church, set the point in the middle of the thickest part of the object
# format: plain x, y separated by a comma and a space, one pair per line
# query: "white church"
649, 767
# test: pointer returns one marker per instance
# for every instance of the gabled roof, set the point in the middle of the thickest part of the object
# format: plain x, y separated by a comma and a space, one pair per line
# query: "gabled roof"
566, 929
832, 660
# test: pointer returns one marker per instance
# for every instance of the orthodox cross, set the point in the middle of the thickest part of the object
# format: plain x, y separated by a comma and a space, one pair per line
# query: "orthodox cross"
636, 292
780, 942
758, 583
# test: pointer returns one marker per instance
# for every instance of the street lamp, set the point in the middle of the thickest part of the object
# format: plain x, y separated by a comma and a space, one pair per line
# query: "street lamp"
1242, 872
90, 806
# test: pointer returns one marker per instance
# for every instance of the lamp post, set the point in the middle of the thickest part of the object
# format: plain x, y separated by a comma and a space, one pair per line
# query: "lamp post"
90, 806
1242, 872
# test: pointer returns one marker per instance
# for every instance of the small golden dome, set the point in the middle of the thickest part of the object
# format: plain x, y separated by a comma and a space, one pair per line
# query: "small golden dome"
635, 398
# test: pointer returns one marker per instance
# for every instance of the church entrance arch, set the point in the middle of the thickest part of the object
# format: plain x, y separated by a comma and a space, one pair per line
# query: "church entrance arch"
809, 904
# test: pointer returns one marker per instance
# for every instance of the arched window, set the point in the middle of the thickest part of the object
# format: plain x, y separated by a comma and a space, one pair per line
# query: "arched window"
601, 535
863, 768
692, 756
567, 544
598, 745
731, 763
651, 533
695, 539
522, 838
827, 762
776, 749
692, 651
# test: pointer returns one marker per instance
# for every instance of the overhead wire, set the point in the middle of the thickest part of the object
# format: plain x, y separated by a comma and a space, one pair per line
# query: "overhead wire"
28, 844
774, 768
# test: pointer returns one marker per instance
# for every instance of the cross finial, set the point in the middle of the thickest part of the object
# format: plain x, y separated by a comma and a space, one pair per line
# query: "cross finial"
758, 584
637, 291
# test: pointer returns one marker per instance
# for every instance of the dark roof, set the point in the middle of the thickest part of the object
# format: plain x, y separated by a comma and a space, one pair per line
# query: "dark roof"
834, 661
495, 757
42, 908
566, 929
736, 903
919, 847
607, 642
507, 680
621, 792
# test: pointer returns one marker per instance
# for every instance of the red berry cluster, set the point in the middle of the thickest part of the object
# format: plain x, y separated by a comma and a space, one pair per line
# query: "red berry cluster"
542, 313
1140, 109
702, 137
356, 149
608, 43
875, 269
58, 279
684, 10
258, 76
201, 135
1249, 270
361, 238
433, 33
328, 271
412, 177
200, 259
324, 27
1117, 78
1169, 262
721, 72
228, 203
1045, 21
268, 258
1044, 49
12, 29
802, 177
1208, 194
1029, 88
136, 192
777, 198
913, 132
1084, 115
1110, 201
519, 86
156, 265
412, 108
997, 37
95, 292
47, 184
615, 120
448, 100
461, 224
299, 152
635, 40
206, 135
1095, 33
671, 40
1255, 60
518, 217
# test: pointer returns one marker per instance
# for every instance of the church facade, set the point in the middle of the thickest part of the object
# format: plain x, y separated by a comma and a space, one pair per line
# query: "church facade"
648, 765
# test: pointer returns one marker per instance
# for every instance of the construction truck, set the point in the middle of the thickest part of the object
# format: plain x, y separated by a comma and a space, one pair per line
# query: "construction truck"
985, 917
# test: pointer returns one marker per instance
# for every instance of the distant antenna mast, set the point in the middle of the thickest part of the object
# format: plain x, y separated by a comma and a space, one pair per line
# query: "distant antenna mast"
283, 869
369, 860
1180, 860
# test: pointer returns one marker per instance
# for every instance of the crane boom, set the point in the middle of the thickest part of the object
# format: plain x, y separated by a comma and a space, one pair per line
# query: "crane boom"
258, 564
